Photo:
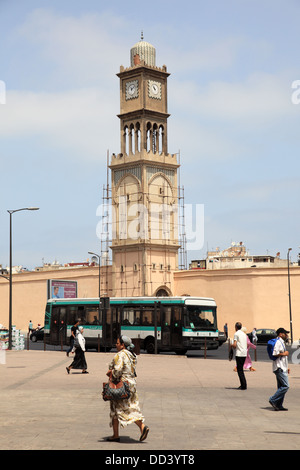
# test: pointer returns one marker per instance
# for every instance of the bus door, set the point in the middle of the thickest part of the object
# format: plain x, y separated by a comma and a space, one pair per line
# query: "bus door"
171, 327
58, 328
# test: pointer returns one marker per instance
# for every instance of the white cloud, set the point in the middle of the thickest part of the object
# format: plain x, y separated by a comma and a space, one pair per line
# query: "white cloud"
81, 120
261, 96
84, 49
198, 55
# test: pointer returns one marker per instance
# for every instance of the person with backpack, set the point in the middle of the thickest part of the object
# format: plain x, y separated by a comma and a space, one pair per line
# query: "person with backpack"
279, 354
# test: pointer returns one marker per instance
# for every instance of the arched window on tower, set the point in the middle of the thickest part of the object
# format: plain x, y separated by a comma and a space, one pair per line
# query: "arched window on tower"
125, 140
132, 139
149, 132
161, 139
138, 137
155, 139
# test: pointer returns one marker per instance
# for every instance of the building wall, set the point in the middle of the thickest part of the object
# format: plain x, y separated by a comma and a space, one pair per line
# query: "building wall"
257, 297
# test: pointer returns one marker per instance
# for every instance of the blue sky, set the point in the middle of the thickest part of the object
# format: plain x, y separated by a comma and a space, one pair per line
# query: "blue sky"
232, 66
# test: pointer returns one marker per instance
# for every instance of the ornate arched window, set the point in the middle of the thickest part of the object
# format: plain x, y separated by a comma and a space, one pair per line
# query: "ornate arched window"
137, 137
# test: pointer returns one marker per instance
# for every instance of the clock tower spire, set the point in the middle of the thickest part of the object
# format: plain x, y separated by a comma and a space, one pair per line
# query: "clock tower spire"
144, 181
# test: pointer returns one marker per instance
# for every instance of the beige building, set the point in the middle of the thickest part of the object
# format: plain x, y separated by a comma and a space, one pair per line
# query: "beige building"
237, 256
145, 238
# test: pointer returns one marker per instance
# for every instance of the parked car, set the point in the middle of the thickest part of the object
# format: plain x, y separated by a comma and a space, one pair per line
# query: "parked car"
37, 335
263, 335
221, 338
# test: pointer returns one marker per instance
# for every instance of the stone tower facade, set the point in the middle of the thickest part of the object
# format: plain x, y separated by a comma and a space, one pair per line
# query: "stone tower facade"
144, 182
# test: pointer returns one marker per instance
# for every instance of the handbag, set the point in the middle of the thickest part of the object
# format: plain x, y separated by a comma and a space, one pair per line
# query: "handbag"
115, 390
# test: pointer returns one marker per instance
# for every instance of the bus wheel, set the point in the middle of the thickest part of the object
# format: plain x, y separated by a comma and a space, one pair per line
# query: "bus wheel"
150, 347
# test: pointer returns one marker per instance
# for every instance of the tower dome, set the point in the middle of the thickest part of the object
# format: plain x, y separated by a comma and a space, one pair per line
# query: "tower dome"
142, 50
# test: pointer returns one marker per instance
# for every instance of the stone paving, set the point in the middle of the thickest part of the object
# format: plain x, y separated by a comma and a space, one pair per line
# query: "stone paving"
188, 403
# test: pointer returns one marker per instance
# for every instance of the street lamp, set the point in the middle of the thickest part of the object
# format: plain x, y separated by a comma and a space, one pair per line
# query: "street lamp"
290, 306
11, 212
95, 254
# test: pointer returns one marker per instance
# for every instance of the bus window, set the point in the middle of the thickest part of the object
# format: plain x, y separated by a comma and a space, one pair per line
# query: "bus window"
47, 316
128, 316
207, 316
80, 314
168, 312
92, 316
73, 314
200, 317
137, 317
146, 318
176, 316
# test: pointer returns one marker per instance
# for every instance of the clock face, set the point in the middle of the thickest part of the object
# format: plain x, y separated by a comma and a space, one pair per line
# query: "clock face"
132, 90
154, 89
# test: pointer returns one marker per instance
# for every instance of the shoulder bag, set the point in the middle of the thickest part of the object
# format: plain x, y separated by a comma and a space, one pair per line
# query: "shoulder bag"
113, 390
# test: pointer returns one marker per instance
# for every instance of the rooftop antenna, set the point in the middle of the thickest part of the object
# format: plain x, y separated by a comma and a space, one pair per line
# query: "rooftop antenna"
142, 36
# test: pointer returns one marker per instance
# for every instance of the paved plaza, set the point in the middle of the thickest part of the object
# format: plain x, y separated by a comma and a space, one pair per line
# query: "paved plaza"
189, 403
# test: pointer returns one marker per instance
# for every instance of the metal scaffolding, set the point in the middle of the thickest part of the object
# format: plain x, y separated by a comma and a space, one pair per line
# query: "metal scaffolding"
109, 230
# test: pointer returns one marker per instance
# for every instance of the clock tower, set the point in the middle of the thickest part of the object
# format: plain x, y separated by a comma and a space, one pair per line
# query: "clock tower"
144, 182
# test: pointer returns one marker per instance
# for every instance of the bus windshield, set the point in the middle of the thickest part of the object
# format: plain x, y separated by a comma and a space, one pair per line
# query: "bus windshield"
200, 317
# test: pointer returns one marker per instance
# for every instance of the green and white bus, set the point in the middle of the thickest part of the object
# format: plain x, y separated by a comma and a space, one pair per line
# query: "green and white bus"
159, 323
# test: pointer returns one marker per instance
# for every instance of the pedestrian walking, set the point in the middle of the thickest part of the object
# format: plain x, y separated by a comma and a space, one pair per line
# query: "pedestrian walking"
74, 330
281, 370
126, 411
254, 336
79, 361
30, 327
248, 361
226, 330
240, 346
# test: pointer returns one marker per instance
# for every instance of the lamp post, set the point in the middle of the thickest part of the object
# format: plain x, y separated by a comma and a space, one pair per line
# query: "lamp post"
100, 317
11, 212
289, 285
95, 254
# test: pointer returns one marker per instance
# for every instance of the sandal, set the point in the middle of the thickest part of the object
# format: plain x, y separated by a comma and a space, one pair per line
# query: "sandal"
144, 433
113, 439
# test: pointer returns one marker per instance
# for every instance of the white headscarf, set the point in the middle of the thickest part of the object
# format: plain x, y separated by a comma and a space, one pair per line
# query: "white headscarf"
127, 342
